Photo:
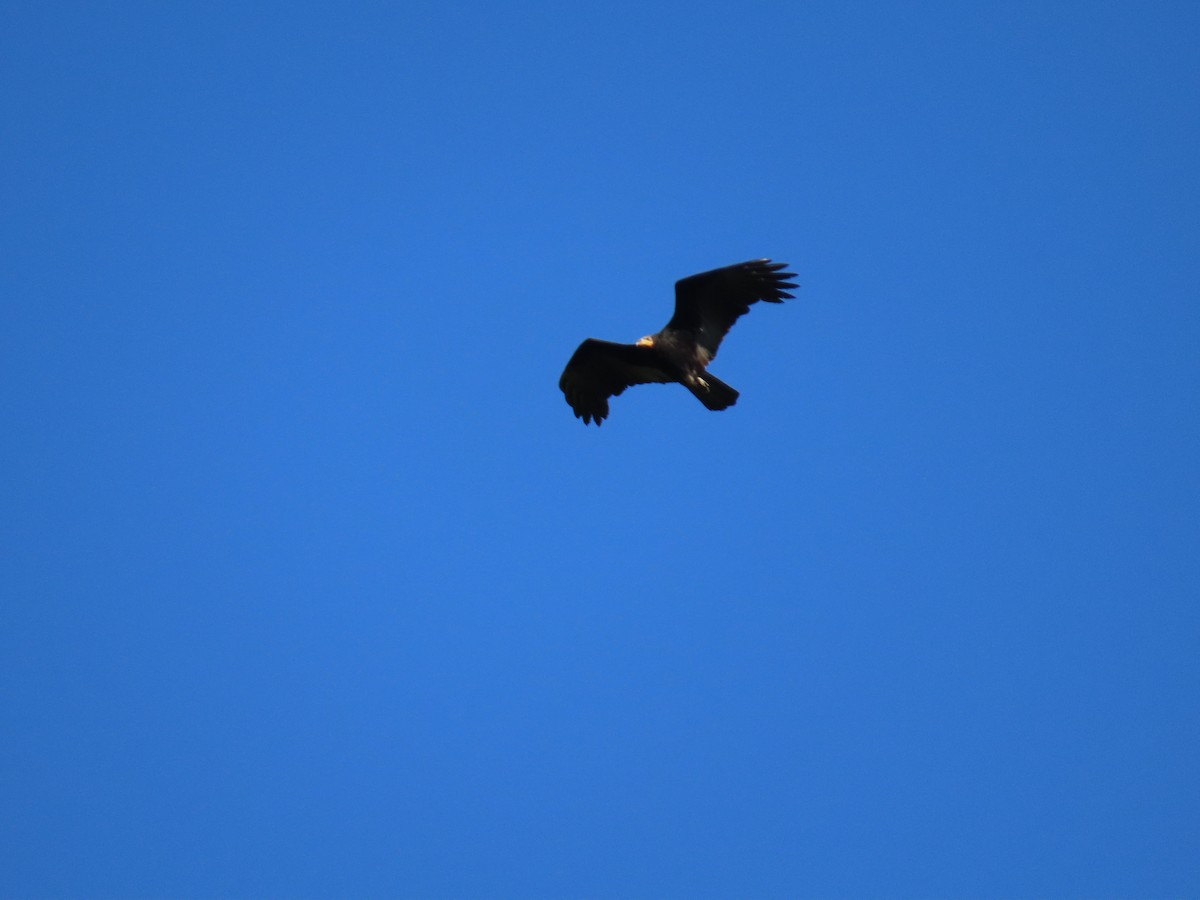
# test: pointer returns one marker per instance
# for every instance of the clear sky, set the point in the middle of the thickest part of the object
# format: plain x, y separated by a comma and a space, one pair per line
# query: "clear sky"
312, 586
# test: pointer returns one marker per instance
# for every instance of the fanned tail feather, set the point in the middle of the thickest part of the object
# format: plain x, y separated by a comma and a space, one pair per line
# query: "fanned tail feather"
718, 396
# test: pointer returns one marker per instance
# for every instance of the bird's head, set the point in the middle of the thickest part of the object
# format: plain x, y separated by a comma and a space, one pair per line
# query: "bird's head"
647, 341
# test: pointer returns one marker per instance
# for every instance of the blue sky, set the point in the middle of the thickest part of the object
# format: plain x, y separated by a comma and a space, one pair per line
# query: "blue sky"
312, 586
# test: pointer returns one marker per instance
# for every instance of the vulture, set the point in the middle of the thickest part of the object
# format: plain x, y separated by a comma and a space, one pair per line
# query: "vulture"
706, 306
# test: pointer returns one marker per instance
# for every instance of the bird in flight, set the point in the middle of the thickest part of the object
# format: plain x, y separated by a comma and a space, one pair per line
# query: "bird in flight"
706, 306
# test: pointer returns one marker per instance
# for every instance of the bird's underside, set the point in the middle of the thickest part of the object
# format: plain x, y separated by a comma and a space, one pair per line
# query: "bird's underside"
706, 306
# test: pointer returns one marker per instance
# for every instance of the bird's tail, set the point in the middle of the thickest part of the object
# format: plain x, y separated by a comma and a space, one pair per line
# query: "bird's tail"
718, 395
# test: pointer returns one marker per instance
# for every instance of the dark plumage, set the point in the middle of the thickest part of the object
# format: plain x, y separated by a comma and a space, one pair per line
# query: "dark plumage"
706, 306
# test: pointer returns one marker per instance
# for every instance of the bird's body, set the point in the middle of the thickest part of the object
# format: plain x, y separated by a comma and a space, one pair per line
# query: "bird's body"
706, 306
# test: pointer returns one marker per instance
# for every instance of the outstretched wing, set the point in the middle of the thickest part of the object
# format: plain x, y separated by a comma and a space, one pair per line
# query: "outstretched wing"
707, 305
601, 369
